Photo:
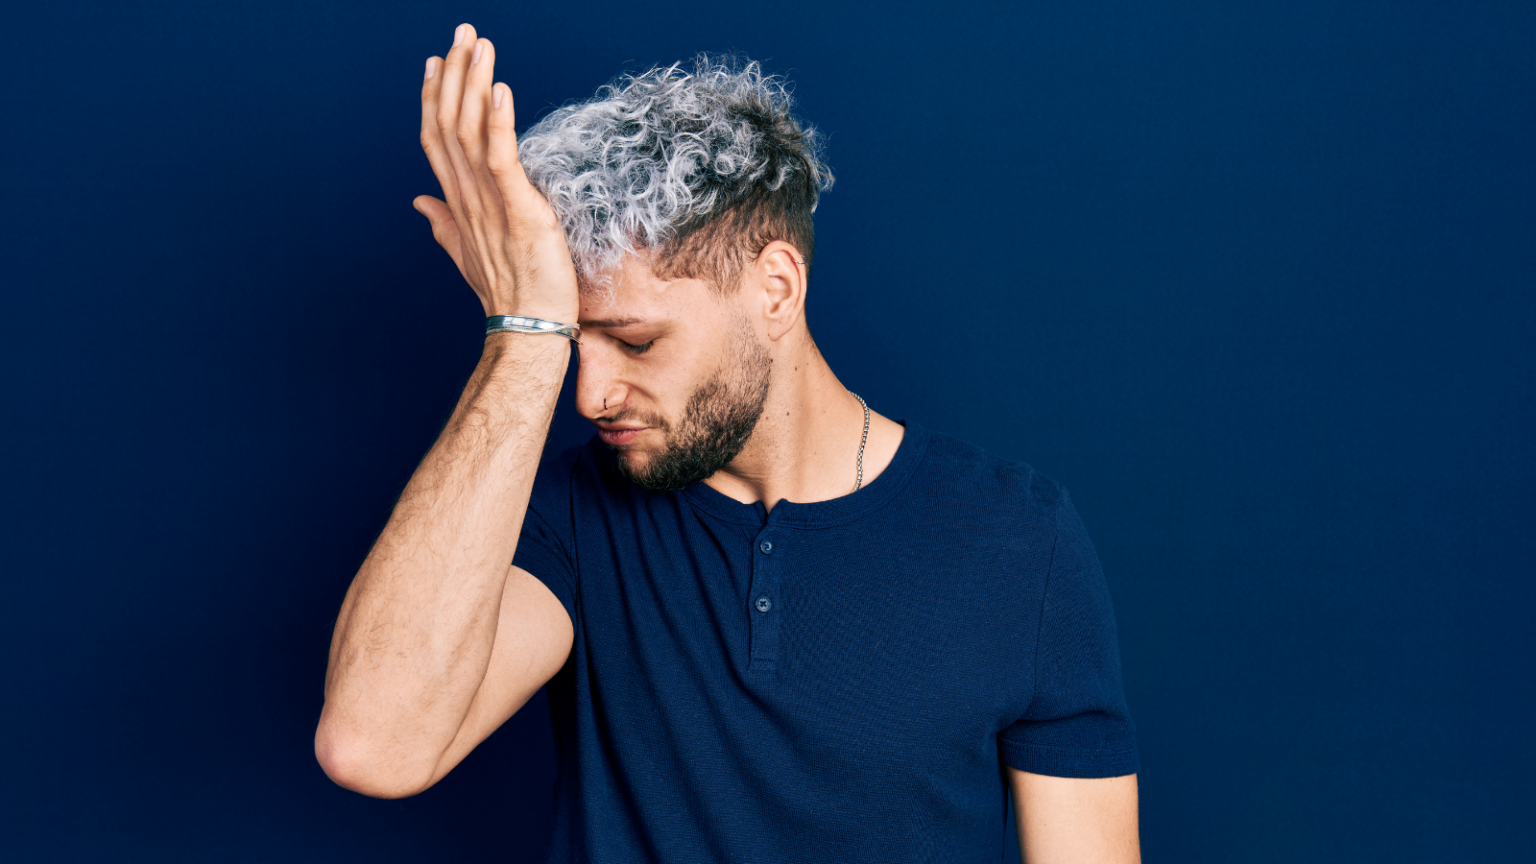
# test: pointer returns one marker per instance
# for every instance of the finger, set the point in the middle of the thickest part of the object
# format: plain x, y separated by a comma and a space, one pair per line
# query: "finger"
501, 145
449, 104
431, 136
476, 102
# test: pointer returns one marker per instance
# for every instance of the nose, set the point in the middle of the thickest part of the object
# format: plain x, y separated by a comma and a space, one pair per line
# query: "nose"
599, 392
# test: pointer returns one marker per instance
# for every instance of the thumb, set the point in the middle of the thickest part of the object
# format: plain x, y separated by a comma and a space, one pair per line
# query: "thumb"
444, 229
435, 211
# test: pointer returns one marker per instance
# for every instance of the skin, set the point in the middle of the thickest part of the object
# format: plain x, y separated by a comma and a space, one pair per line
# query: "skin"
438, 641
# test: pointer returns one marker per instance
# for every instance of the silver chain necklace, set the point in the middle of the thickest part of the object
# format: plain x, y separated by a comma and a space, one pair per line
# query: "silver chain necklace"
862, 441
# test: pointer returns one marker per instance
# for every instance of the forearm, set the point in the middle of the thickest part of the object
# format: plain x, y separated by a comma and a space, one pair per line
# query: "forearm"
415, 633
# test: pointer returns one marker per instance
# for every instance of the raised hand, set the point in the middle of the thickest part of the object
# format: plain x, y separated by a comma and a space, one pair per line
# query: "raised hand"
498, 229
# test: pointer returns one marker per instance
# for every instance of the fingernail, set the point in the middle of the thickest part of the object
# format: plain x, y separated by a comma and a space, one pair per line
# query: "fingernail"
431, 68
475, 58
458, 35
496, 98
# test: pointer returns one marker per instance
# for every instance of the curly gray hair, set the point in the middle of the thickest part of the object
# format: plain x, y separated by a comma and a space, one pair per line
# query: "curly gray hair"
700, 170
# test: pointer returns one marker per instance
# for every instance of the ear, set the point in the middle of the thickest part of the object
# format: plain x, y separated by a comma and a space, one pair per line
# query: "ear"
778, 278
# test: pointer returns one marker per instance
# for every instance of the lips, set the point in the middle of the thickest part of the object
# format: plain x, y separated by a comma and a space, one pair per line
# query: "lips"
619, 437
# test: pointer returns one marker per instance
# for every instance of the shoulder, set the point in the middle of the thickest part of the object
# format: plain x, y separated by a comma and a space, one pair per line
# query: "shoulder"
966, 473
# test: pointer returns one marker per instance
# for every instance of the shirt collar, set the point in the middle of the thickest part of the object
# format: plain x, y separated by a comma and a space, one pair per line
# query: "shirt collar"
821, 514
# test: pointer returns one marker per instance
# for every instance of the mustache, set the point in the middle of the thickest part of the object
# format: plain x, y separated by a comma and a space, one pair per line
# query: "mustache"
623, 414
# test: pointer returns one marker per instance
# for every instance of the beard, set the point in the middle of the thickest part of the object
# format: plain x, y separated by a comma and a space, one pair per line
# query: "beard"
716, 424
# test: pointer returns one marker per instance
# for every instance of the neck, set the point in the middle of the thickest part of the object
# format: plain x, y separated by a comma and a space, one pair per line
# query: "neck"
805, 447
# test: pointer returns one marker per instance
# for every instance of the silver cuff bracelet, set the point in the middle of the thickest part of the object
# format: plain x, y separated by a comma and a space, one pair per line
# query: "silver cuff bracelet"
519, 324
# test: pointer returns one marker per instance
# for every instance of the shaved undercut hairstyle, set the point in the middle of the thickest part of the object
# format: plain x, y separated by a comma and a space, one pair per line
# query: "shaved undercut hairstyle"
698, 170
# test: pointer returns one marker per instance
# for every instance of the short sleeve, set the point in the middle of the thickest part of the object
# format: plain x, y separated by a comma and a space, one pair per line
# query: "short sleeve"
1077, 724
543, 549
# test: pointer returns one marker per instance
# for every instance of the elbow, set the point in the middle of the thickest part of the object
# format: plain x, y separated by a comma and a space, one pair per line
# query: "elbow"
352, 762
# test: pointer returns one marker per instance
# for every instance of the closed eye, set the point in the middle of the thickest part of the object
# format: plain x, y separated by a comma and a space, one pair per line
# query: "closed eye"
637, 349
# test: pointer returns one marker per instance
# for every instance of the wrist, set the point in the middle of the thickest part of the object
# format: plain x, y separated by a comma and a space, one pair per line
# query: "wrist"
549, 312
506, 345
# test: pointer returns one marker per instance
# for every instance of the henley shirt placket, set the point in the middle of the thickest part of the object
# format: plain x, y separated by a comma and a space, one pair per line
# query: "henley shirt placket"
763, 607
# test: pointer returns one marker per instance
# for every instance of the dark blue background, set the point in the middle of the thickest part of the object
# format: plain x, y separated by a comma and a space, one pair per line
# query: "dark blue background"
1255, 281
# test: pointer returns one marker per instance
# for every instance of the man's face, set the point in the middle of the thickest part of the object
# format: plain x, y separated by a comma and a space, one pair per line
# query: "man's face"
673, 374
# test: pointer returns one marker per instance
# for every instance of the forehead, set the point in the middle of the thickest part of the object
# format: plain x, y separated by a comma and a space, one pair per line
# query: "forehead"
635, 294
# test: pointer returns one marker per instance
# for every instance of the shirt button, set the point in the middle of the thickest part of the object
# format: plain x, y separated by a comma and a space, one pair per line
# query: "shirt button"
764, 604
767, 547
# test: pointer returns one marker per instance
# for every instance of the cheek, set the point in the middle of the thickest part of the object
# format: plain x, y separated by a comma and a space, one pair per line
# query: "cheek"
661, 387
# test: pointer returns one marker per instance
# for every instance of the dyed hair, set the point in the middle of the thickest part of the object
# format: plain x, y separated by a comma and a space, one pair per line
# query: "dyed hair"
696, 170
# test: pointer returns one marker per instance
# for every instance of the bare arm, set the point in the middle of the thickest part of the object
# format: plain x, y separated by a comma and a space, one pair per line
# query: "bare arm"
1065, 820
439, 639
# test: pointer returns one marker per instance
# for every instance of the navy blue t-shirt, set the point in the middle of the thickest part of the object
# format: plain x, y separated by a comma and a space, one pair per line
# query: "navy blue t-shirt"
829, 682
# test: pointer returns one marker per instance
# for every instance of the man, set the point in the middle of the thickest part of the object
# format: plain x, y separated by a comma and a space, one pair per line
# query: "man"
776, 626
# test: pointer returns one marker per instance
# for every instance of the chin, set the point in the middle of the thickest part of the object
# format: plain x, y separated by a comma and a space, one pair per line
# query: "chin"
631, 458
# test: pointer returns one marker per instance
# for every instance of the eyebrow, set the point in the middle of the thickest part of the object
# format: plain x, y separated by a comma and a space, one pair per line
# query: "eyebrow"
613, 322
